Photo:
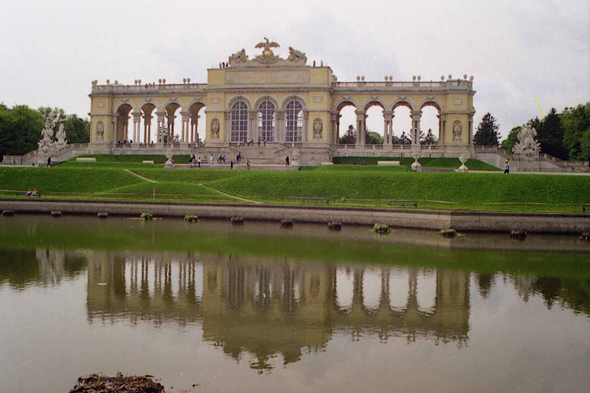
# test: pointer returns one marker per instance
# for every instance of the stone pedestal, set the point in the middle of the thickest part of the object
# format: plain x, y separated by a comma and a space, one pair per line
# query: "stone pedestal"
463, 169
169, 164
416, 166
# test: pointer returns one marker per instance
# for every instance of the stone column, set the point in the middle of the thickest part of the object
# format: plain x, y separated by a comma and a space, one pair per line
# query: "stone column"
136, 127
305, 121
147, 123
387, 118
334, 128
442, 120
160, 137
115, 122
470, 141
185, 120
280, 130
227, 135
391, 129
194, 137
171, 118
253, 125
360, 127
416, 115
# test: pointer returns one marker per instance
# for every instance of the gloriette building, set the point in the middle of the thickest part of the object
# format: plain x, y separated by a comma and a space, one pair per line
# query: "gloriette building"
285, 101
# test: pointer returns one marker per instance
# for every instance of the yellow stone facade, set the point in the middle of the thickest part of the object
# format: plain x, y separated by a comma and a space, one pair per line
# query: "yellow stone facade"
124, 112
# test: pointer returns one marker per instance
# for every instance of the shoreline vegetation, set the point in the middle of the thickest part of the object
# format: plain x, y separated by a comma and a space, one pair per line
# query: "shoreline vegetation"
119, 178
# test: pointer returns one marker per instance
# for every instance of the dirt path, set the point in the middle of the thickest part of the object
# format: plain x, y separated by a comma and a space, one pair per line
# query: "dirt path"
231, 196
141, 177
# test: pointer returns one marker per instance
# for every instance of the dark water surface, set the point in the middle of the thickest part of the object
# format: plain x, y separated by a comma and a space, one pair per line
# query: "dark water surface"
260, 308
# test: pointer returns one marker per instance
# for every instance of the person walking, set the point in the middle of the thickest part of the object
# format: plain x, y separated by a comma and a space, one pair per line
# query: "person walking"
48, 162
248, 163
507, 167
231, 164
212, 159
287, 163
199, 162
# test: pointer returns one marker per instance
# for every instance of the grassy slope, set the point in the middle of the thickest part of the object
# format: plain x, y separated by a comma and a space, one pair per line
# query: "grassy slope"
188, 175
470, 187
470, 191
65, 179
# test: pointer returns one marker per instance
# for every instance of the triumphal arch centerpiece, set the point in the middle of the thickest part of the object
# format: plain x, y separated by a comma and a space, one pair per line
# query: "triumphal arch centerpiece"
289, 103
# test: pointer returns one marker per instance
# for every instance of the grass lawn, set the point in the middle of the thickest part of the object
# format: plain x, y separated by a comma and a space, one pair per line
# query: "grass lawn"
441, 162
360, 186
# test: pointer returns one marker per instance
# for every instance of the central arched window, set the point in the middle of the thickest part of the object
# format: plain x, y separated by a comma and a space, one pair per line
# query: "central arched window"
294, 121
266, 121
239, 121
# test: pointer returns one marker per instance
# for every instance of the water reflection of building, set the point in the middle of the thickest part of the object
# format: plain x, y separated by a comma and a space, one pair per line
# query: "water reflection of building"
268, 307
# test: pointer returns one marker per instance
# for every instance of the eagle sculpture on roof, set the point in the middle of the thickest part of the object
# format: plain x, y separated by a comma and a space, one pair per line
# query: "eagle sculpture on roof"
267, 45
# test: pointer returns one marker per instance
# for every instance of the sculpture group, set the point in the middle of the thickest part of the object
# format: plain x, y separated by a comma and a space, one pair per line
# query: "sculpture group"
267, 57
527, 146
48, 146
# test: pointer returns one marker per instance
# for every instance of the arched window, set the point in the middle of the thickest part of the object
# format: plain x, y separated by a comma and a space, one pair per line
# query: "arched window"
266, 121
239, 121
294, 121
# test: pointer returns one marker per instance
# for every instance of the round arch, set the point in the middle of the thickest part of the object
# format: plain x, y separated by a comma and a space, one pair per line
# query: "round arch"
128, 103
263, 98
180, 106
238, 97
143, 104
432, 101
295, 97
341, 103
402, 102
193, 102
372, 102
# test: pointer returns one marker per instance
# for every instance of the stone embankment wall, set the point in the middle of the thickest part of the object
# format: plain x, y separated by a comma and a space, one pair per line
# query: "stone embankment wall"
461, 221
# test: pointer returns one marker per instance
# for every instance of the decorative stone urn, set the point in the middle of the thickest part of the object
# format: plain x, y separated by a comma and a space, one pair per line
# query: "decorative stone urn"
463, 158
416, 165
169, 164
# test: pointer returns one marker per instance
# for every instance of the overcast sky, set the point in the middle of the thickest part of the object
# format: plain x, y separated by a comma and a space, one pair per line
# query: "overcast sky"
516, 50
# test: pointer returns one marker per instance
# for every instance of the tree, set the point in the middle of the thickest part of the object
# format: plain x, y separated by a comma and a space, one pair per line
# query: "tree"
487, 132
77, 129
405, 139
429, 139
576, 123
550, 135
20, 129
349, 138
373, 138
510, 141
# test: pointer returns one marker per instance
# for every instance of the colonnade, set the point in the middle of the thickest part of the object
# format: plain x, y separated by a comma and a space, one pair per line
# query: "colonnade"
165, 126
388, 116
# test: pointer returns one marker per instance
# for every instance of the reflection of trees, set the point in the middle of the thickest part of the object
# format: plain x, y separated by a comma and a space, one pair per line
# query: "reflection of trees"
42, 266
485, 282
573, 293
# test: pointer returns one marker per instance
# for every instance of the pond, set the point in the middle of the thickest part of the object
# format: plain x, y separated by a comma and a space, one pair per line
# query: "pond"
212, 306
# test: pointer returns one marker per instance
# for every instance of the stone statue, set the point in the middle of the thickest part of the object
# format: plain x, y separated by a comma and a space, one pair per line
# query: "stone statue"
46, 134
61, 135
296, 55
317, 129
457, 130
238, 57
527, 145
215, 129
100, 131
